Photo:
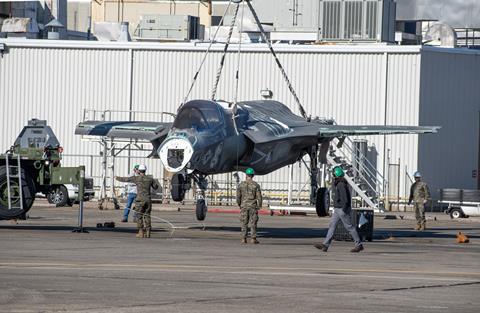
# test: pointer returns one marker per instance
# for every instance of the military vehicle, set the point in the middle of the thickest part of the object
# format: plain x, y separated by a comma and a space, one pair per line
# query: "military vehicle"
34, 163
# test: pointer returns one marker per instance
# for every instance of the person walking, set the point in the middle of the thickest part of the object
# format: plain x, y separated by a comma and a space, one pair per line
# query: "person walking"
131, 195
249, 199
342, 208
143, 202
419, 194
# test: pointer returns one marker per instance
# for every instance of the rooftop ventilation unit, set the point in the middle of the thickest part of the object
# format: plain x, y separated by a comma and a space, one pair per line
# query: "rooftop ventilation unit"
440, 34
168, 27
357, 20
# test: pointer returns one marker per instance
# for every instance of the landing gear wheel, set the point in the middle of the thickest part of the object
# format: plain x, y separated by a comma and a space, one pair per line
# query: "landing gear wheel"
177, 190
28, 195
201, 209
456, 213
322, 202
58, 196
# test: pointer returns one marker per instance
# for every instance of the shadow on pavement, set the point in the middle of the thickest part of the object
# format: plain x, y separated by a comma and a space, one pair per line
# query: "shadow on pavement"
132, 229
378, 234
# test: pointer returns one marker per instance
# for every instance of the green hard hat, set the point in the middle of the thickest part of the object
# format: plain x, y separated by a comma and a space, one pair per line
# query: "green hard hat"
338, 171
136, 165
250, 171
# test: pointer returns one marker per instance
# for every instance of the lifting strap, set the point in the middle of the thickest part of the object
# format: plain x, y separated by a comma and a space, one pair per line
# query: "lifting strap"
222, 62
225, 48
205, 56
264, 37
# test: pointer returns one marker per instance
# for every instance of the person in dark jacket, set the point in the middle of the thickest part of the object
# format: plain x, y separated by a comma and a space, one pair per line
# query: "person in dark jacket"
342, 204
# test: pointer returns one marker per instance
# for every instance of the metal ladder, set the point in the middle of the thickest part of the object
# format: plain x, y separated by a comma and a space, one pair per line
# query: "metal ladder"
18, 175
366, 181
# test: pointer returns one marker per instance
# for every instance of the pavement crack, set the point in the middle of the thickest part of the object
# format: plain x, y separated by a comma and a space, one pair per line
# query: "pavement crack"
429, 286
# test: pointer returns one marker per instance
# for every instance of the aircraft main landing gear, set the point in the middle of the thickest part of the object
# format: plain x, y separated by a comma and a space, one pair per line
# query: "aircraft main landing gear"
320, 197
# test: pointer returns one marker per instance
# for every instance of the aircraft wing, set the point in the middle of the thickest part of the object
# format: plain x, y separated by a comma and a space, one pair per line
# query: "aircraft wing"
155, 132
122, 129
361, 130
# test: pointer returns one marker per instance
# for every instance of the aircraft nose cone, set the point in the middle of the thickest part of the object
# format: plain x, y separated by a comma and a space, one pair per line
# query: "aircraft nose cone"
175, 153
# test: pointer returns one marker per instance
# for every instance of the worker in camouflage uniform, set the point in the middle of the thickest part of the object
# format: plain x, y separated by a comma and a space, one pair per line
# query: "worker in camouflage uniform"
249, 199
419, 194
143, 202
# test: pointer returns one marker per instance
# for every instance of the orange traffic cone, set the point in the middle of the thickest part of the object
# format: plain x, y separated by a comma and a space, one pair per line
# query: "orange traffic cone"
462, 238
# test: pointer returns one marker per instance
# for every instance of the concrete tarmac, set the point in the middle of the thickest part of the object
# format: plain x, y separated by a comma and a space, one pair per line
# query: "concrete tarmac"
195, 267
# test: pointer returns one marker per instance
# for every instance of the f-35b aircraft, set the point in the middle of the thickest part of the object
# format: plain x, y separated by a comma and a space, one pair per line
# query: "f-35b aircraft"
210, 137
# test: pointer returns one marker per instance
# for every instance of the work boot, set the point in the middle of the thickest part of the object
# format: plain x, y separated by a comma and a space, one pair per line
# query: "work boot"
321, 246
357, 249
244, 240
254, 241
146, 234
140, 233
423, 227
418, 227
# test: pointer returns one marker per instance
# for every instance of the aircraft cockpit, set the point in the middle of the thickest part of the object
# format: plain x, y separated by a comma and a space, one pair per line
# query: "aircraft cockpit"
200, 116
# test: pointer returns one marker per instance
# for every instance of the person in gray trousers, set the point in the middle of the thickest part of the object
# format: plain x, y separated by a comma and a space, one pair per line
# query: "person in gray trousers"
342, 208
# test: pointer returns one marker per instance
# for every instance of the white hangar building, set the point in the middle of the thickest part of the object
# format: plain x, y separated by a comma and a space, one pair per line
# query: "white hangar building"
354, 84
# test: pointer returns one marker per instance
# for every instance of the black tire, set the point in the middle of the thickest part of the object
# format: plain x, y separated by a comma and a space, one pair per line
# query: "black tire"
58, 196
456, 213
28, 195
322, 202
177, 187
49, 196
201, 210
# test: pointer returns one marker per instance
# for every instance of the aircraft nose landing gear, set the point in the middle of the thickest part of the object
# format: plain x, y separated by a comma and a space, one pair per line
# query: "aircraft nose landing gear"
181, 183
201, 205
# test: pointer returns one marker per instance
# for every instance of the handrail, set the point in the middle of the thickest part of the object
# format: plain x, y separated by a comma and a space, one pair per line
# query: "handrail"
346, 143
369, 170
105, 113
363, 158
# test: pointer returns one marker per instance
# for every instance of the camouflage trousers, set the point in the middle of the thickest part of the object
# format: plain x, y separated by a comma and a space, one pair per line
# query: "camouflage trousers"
249, 216
419, 208
143, 209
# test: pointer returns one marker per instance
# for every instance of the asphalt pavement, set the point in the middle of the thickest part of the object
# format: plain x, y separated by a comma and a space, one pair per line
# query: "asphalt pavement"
188, 266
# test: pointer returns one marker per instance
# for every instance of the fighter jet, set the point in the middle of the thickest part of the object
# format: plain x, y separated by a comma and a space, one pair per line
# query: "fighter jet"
211, 137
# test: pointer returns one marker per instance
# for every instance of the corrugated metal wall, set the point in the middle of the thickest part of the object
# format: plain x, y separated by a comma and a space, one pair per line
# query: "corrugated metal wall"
355, 85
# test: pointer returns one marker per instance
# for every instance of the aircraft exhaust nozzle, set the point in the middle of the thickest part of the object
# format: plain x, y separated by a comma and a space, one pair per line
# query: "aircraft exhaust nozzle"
175, 153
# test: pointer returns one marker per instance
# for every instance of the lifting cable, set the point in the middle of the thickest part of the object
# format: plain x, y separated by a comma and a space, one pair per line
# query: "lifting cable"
237, 74
264, 37
219, 71
205, 56
225, 48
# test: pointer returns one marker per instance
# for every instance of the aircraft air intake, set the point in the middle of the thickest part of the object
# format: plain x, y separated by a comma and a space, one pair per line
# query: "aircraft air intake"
175, 153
